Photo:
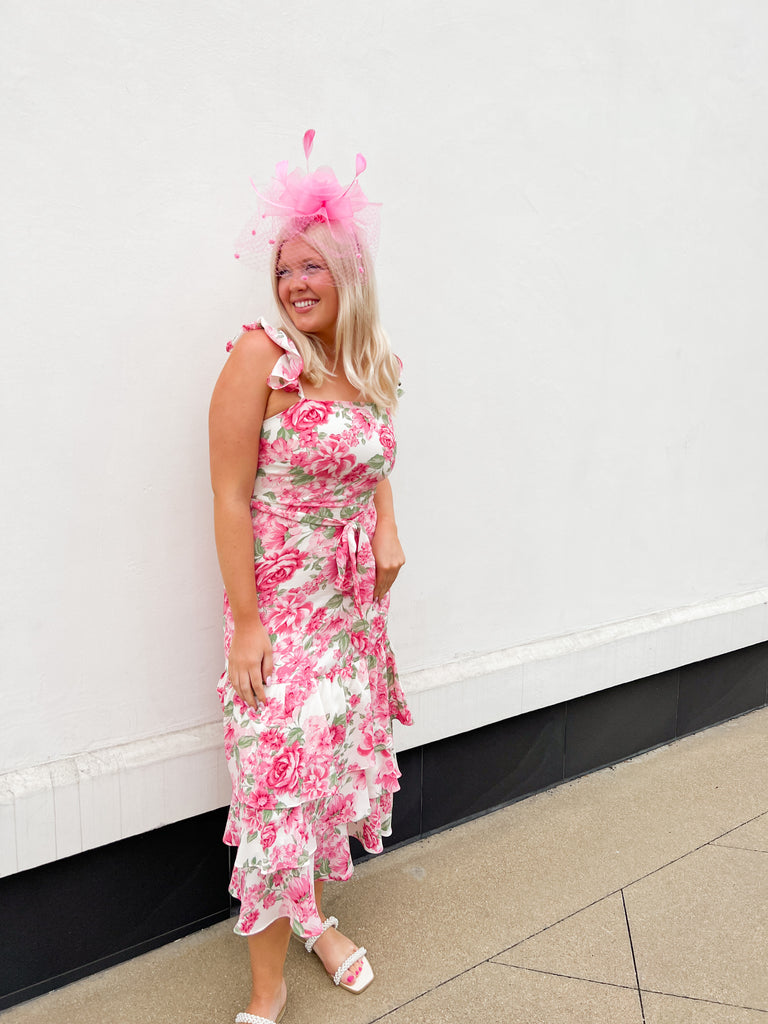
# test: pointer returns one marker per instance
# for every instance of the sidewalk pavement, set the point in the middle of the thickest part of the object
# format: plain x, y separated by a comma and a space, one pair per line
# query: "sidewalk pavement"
635, 895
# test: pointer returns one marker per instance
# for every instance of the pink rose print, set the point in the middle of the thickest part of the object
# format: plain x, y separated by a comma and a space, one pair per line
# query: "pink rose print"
270, 741
359, 641
287, 372
273, 570
268, 835
319, 616
249, 914
285, 773
297, 671
269, 530
301, 895
332, 457
340, 808
360, 476
261, 801
284, 857
289, 612
387, 438
361, 422
250, 818
388, 779
316, 778
305, 416
338, 735
365, 746
371, 838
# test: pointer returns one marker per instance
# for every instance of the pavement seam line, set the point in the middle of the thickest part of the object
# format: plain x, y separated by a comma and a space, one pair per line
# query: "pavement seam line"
512, 967
569, 977
701, 999
634, 960
434, 988
676, 860
736, 828
554, 924
747, 849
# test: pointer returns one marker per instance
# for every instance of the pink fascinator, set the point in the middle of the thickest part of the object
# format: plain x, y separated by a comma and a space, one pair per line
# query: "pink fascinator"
298, 201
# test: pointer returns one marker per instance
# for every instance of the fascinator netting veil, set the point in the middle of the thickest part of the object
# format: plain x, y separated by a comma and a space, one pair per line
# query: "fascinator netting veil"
304, 202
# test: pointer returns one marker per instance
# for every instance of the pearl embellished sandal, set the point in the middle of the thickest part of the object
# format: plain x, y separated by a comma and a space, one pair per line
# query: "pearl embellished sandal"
252, 1018
354, 985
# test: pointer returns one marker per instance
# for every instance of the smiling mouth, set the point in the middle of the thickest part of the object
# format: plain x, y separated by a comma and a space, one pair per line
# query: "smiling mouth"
305, 303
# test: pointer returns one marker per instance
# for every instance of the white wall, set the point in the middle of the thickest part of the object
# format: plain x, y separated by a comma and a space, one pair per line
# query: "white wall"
572, 268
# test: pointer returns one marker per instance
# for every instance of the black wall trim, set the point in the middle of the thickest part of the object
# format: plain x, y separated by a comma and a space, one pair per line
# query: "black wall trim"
71, 918
79, 915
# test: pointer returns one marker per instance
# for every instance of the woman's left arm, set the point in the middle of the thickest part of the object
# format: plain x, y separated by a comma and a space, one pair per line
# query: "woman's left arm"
387, 550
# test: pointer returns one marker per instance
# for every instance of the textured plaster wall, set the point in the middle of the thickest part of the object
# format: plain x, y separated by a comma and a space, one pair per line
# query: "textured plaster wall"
572, 267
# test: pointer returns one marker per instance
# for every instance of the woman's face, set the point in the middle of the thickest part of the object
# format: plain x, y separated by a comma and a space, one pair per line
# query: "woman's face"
307, 290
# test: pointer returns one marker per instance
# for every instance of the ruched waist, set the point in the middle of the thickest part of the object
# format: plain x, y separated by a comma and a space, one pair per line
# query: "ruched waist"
355, 564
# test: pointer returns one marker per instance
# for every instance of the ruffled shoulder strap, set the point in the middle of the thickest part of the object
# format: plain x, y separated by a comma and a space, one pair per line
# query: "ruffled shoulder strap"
286, 372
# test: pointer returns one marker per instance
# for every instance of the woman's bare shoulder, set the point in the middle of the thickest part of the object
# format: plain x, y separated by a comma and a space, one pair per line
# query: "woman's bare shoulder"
254, 346
242, 383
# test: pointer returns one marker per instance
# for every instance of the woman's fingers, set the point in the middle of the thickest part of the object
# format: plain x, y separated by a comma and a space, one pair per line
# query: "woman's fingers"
257, 690
241, 684
267, 667
384, 580
250, 664
389, 557
248, 685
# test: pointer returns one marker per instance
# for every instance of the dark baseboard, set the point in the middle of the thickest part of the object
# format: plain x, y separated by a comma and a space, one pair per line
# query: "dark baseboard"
76, 916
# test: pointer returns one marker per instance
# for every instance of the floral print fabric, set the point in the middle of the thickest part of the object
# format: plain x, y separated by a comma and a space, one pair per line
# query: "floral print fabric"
316, 764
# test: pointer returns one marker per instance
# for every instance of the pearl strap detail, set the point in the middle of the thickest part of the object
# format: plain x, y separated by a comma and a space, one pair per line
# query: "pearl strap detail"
329, 922
351, 959
251, 1018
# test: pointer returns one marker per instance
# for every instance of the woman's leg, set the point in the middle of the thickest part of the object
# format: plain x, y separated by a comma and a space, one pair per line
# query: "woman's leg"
267, 951
332, 947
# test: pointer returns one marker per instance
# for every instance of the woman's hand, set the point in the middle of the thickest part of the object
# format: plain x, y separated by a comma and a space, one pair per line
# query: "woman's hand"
388, 554
250, 663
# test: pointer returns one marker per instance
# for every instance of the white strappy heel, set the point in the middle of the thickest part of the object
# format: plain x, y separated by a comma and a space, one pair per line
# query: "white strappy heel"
252, 1018
364, 978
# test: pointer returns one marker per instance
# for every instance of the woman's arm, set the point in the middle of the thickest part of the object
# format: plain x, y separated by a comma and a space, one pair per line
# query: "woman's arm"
236, 414
387, 550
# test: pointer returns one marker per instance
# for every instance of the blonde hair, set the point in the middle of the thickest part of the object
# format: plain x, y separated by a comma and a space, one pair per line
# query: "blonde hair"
362, 345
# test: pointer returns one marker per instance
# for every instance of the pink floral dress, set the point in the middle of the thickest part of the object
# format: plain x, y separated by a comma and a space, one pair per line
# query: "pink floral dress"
315, 764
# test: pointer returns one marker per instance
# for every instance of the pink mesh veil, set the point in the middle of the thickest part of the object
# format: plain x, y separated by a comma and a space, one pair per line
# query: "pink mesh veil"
341, 217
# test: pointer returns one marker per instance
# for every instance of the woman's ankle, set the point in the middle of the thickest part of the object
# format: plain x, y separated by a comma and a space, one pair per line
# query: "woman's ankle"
267, 1000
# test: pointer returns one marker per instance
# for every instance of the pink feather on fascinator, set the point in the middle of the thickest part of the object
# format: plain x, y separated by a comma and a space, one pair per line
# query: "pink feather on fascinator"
309, 139
296, 200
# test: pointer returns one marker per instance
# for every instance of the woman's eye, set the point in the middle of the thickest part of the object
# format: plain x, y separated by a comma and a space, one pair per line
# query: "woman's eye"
313, 268
283, 272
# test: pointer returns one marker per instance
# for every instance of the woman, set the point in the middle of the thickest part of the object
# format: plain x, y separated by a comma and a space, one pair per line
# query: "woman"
301, 446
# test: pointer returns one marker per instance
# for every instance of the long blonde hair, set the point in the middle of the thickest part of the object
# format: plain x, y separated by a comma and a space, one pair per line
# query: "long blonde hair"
361, 345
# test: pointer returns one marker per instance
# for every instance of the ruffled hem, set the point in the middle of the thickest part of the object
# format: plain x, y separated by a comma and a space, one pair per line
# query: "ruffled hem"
305, 779
265, 893
297, 769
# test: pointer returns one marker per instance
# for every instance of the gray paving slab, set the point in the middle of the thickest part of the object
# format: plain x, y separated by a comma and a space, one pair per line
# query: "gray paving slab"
700, 927
494, 992
592, 945
535, 887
